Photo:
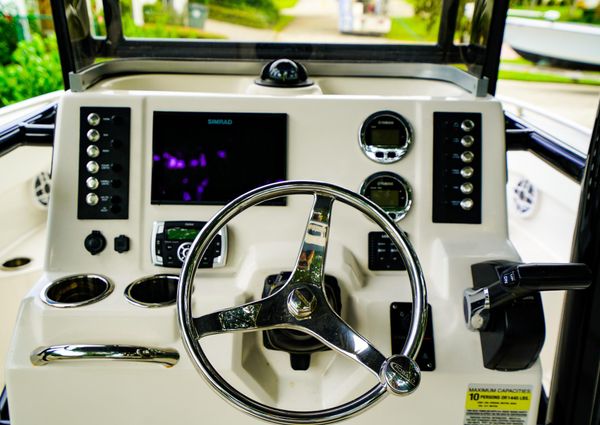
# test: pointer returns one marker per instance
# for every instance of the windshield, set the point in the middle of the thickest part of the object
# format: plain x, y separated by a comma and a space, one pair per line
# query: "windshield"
348, 31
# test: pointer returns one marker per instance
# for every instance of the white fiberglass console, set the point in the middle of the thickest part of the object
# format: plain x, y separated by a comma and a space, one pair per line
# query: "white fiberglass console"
142, 162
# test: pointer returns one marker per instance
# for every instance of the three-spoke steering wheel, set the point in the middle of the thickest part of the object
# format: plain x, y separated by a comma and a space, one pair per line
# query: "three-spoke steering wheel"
301, 304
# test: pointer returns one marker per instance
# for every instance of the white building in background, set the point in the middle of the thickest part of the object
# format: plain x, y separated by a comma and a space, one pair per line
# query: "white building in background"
18, 7
137, 8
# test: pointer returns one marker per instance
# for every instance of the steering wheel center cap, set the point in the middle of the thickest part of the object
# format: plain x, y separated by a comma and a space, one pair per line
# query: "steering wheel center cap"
400, 374
301, 302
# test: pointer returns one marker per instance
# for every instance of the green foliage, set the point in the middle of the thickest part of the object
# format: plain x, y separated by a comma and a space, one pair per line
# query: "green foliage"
412, 29
247, 16
8, 38
156, 13
284, 4
251, 13
35, 71
165, 31
429, 11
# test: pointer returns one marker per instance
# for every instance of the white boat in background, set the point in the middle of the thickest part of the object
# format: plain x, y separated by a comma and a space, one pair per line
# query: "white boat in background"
561, 44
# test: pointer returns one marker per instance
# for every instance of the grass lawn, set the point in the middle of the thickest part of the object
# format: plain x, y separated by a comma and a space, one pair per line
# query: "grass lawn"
523, 70
284, 4
567, 13
412, 29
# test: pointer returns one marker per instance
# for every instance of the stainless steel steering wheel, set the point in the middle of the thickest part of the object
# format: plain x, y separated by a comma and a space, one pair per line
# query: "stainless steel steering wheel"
301, 304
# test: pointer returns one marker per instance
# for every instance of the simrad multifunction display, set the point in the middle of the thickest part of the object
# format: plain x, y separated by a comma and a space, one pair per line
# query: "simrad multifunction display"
213, 157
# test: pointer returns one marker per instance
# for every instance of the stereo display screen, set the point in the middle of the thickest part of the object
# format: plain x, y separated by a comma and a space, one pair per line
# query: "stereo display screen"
211, 158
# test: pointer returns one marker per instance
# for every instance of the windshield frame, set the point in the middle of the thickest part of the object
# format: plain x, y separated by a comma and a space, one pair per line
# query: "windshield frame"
479, 60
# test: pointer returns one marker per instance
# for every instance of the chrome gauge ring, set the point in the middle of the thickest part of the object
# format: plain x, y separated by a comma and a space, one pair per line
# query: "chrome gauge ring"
300, 304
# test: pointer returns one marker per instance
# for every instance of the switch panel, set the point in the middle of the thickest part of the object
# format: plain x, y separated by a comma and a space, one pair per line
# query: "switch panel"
457, 167
104, 135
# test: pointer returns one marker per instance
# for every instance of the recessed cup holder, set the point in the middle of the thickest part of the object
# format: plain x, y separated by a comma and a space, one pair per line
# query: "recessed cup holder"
16, 263
153, 291
77, 290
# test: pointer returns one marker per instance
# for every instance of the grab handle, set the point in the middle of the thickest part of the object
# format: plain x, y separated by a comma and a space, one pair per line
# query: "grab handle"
59, 353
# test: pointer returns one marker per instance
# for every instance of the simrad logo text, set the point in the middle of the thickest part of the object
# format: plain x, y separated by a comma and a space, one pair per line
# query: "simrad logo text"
219, 121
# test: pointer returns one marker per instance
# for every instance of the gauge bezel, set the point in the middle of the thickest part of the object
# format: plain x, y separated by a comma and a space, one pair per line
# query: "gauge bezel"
401, 212
371, 151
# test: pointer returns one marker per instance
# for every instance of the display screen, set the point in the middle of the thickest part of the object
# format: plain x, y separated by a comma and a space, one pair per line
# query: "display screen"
211, 158
386, 198
385, 137
182, 234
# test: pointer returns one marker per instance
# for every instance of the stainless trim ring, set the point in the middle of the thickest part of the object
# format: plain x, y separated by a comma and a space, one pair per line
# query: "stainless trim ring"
191, 336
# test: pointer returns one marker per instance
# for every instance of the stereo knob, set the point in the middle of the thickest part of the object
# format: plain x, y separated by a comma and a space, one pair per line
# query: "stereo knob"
95, 242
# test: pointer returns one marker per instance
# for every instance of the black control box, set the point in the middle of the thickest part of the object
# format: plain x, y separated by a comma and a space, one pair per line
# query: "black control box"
172, 240
400, 314
104, 149
457, 167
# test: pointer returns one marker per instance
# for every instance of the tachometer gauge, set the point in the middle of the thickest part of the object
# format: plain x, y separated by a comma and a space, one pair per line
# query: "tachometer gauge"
389, 191
385, 137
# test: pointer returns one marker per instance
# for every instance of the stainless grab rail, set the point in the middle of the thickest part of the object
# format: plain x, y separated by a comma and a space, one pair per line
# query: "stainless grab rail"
43, 355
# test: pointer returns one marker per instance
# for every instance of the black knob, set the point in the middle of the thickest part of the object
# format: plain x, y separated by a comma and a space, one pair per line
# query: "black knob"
284, 73
95, 242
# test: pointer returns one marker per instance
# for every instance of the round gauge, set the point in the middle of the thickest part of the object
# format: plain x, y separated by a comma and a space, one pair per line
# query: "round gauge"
390, 192
385, 137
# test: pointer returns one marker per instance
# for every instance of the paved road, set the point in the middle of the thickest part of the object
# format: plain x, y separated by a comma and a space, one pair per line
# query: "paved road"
575, 102
314, 21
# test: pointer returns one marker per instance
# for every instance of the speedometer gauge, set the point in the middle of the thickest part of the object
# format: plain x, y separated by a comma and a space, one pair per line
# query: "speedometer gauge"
390, 192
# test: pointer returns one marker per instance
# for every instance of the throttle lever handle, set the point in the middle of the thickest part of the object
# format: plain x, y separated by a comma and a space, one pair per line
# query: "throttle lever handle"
516, 280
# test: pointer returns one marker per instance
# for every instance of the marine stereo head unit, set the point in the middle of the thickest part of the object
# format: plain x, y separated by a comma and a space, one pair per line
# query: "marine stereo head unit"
172, 240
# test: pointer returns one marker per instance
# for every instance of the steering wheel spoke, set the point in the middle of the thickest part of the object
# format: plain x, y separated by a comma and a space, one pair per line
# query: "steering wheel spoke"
310, 264
257, 315
330, 329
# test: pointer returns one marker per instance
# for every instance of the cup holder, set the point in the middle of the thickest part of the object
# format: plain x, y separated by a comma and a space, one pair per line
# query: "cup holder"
15, 263
153, 291
77, 290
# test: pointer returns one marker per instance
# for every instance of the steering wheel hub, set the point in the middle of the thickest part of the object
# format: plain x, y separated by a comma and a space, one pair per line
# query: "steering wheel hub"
301, 302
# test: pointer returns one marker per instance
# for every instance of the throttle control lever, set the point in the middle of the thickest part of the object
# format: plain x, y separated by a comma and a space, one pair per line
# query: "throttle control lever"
516, 281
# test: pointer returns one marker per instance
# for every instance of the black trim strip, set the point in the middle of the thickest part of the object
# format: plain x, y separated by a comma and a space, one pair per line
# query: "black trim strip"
520, 137
36, 129
575, 395
67, 62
